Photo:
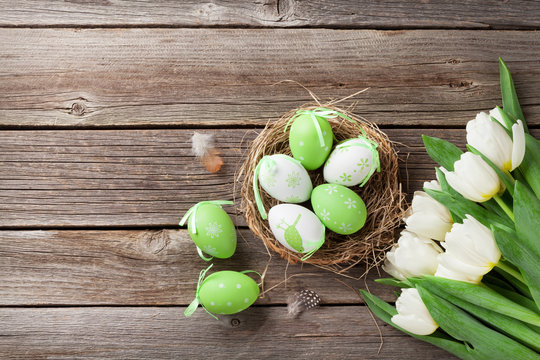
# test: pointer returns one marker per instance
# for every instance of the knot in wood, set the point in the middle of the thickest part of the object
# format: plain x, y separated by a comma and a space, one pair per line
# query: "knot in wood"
78, 108
235, 322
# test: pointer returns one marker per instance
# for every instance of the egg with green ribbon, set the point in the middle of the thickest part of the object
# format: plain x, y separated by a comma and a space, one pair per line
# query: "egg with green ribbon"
283, 178
211, 229
339, 208
296, 228
311, 137
352, 162
224, 292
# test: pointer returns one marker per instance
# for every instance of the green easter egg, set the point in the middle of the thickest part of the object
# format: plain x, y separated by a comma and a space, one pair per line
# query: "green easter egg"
215, 232
228, 292
339, 208
305, 143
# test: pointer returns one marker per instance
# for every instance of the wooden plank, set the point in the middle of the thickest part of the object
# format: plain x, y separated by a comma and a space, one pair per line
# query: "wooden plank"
140, 178
148, 267
213, 77
288, 13
330, 332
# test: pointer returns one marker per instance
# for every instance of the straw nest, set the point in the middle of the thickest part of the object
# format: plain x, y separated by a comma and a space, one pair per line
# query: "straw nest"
382, 196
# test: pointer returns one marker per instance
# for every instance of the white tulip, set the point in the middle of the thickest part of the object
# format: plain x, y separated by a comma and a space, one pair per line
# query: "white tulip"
413, 255
428, 217
413, 314
473, 178
492, 141
470, 252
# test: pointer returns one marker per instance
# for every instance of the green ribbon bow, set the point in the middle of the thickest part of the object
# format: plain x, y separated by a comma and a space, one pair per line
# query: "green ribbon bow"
195, 303
312, 251
191, 215
322, 112
372, 147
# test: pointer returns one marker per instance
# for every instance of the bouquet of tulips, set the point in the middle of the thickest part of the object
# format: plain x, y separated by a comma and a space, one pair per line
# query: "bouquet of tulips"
467, 261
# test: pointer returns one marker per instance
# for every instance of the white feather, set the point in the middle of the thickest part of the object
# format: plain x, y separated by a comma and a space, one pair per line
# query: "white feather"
201, 143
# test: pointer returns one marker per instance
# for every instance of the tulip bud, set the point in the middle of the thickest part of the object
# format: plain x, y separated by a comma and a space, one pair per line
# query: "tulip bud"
413, 314
492, 141
473, 178
470, 252
428, 217
413, 255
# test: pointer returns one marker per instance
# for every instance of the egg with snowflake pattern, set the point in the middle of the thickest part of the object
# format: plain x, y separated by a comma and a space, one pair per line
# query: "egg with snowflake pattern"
212, 230
339, 208
307, 145
296, 227
352, 162
228, 292
284, 178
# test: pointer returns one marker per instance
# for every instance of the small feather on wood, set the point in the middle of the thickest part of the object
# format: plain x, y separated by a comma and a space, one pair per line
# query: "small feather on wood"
302, 301
203, 146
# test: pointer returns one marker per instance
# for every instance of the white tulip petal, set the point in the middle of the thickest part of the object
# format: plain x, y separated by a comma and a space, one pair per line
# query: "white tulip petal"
432, 185
413, 255
518, 148
413, 315
414, 324
490, 139
497, 115
446, 273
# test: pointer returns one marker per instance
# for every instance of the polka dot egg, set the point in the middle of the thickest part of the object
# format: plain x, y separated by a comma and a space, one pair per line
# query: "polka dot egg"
228, 292
339, 208
352, 162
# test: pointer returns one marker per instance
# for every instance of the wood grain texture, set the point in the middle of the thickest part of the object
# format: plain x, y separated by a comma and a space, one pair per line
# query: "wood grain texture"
141, 178
224, 77
163, 333
519, 14
148, 267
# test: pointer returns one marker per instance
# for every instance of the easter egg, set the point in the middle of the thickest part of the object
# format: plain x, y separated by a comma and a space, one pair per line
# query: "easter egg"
339, 208
228, 292
284, 178
352, 162
307, 145
212, 230
296, 228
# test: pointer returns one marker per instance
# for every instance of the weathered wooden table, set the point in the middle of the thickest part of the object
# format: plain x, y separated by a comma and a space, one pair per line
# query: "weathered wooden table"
98, 101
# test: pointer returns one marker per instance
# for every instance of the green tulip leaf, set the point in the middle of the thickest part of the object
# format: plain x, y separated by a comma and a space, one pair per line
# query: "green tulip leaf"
514, 328
485, 342
519, 254
442, 152
462, 207
509, 96
514, 296
449, 190
507, 181
479, 295
394, 282
385, 312
530, 166
527, 214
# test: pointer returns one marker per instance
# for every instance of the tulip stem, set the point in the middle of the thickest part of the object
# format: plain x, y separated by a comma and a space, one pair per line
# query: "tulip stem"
505, 207
509, 270
509, 174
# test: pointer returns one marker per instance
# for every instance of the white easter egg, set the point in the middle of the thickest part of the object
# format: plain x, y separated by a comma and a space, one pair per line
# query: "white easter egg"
284, 178
296, 228
352, 162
